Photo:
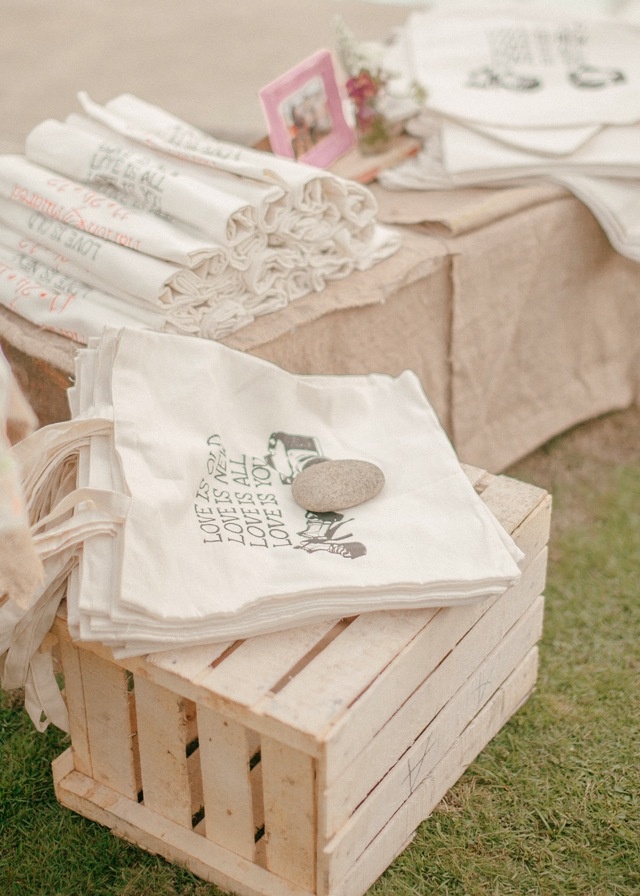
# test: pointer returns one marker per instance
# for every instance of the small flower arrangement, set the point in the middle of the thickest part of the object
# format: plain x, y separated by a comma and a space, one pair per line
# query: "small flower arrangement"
367, 86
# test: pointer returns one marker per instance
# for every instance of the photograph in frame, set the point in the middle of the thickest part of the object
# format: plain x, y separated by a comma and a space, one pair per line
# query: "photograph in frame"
303, 109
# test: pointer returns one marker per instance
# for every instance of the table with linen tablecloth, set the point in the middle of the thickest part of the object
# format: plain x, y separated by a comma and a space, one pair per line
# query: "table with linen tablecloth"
509, 303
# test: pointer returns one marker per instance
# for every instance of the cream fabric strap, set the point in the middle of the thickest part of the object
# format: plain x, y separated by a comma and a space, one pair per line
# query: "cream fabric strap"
28, 662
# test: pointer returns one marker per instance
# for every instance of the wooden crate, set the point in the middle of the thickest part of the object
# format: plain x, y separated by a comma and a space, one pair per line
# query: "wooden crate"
302, 762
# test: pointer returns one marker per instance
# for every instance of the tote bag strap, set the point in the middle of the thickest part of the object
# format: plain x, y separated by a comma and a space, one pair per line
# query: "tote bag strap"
27, 664
102, 504
41, 453
43, 699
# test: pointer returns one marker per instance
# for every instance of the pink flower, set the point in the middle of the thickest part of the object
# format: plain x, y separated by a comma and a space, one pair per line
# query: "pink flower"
363, 87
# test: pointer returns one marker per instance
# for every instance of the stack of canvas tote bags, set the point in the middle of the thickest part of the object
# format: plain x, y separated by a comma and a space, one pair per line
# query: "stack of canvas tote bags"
166, 503
518, 94
127, 216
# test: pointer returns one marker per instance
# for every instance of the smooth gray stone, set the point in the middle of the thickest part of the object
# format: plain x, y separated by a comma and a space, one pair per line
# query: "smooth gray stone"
337, 484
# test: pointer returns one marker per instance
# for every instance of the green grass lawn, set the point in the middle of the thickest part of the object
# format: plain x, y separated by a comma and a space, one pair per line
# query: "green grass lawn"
551, 806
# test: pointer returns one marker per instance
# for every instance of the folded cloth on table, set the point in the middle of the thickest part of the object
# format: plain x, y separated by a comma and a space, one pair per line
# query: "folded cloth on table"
535, 96
615, 202
63, 304
471, 156
151, 184
264, 198
165, 504
99, 214
137, 205
142, 290
307, 189
101, 261
526, 68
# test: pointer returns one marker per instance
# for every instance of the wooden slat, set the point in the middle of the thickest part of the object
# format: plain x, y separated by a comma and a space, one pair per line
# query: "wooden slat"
289, 789
532, 534
420, 760
380, 750
478, 477
322, 692
511, 501
260, 662
163, 735
225, 753
394, 685
201, 694
74, 698
137, 824
383, 849
188, 662
109, 730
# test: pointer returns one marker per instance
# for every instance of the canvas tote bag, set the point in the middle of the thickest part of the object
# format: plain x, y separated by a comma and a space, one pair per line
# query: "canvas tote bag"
207, 442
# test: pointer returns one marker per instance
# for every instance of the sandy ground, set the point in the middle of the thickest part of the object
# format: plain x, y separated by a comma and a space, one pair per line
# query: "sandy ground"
204, 60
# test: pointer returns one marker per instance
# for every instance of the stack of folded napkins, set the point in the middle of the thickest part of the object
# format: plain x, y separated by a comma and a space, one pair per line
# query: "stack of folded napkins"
127, 216
518, 95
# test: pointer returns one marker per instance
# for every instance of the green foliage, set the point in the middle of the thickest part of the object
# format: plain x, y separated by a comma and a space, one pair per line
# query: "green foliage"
550, 808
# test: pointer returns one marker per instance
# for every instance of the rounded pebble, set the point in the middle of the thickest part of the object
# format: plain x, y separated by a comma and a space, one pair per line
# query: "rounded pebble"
337, 484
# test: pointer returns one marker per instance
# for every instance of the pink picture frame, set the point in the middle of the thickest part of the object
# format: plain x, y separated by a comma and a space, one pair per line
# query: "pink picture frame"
304, 115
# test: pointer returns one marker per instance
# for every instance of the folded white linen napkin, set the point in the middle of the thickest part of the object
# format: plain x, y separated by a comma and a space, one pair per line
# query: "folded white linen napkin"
150, 184
163, 132
96, 213
555, 142
124, 270
190, 305
140, 121
470, 156
264, 197
57, 302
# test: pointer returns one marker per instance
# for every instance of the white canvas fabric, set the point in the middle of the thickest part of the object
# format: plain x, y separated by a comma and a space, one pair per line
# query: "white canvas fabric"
574, 120
520, 67
215, 486
554, 142
124, 270
604, 174
98, 214
114, 279
262, 197
164, 506
63, 304
141, 206
471, 156
308, 189
152, 185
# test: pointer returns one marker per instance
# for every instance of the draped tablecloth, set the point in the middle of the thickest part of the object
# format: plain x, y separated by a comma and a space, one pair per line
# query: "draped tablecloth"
510, 305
